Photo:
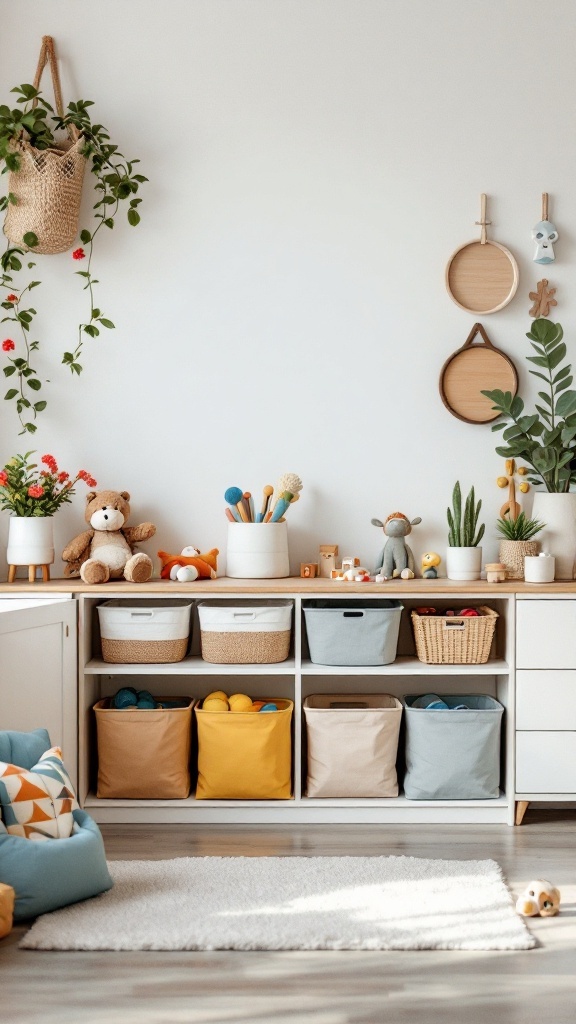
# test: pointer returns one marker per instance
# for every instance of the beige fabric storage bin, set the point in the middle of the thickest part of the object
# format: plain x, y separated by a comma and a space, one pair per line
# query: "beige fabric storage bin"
144, 754
352, 744
245, 632
145, 632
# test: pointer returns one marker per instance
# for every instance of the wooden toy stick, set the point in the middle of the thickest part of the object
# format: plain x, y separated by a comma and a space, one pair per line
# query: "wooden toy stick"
246, 502
242, 511
544, 206
229, 515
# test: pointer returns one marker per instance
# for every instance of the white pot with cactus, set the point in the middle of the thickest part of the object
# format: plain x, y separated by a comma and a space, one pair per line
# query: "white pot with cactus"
464, 556
517, 543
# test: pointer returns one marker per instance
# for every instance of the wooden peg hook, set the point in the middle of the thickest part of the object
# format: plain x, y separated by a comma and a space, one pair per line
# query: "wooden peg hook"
544, 206
483, 222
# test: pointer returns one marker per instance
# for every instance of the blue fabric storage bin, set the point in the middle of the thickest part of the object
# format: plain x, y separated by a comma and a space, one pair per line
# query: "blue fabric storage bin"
352, 632
453, 755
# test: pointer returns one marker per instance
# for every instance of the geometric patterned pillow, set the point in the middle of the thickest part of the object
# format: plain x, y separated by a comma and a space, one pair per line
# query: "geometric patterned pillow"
38, 803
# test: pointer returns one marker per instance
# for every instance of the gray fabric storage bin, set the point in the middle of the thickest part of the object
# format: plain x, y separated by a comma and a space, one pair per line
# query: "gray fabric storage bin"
453, 755
352, 632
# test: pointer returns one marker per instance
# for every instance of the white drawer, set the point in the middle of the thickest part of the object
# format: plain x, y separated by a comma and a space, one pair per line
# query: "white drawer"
546, 699
546, 762
546, 634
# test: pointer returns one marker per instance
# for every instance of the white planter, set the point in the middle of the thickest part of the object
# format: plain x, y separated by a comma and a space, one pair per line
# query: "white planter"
30, 540
257, 551
558, 538
463, 563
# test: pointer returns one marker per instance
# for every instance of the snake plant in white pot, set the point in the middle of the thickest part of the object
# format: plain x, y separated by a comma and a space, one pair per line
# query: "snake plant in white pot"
464, 556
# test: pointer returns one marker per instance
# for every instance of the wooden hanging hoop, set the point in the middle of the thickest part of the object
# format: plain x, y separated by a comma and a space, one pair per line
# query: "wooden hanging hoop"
474, 368
482, 276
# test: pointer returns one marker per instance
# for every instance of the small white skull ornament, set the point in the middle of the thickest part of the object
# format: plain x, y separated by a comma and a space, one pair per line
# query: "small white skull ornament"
544, 234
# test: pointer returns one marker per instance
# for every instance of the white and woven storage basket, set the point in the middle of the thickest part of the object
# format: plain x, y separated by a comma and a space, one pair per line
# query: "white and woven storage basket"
148, 631
246, 632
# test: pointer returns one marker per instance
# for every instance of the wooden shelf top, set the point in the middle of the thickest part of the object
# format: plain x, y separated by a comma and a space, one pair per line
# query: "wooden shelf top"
291, 585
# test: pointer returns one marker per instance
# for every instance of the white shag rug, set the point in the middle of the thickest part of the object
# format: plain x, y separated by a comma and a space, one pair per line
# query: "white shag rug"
271, 903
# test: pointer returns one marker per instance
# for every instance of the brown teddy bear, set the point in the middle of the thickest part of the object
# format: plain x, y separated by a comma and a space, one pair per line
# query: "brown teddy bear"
106, 550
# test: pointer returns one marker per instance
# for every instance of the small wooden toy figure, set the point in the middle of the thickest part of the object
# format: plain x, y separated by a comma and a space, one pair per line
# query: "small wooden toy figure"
396, 555
430, 563
544, 234
327, 560
539, 899
511, 509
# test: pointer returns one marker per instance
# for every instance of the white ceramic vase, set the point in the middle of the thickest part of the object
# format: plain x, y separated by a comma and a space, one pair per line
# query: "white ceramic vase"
558, 538
30, 540
463, 563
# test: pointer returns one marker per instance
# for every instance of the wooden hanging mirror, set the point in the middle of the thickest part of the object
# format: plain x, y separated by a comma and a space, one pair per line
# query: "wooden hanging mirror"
482, 276
474, 368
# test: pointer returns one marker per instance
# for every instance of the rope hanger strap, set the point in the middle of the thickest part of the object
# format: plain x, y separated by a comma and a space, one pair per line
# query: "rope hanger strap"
48, 56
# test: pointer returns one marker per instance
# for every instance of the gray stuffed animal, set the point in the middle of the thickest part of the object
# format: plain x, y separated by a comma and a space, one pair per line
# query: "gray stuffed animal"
395, 555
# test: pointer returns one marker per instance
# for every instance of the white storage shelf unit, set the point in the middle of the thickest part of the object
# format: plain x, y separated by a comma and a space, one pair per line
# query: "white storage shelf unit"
296, 678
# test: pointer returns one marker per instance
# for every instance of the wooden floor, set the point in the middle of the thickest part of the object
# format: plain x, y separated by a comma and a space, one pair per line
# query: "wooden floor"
528, 987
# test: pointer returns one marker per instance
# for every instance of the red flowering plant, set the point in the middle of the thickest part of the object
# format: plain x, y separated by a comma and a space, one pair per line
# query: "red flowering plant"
116, 182
26, 490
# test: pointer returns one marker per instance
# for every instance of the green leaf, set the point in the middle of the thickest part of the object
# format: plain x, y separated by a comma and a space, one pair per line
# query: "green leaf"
95, 314
106, 323
85, 237
30, 239
11, 393
561, 374
133, 217
34, 384
538, 360
544, 459
91, 330
9, 370
30, 428
566, 404
556, 355
39, 406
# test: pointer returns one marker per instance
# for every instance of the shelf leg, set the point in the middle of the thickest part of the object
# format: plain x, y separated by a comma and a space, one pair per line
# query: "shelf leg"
31, 573
521, 808
11, 573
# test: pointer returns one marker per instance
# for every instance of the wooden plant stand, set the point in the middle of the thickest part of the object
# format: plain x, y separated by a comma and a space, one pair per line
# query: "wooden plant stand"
31, 573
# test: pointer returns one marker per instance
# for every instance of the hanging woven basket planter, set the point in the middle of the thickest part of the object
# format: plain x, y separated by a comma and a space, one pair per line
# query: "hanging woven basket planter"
47, 187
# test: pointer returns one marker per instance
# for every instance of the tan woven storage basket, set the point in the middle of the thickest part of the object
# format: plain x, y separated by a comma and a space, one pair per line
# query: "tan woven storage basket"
48, 185
245, 648
454, 640
149, 652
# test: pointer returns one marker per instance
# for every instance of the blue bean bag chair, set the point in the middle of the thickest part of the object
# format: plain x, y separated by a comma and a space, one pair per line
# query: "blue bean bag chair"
51, 874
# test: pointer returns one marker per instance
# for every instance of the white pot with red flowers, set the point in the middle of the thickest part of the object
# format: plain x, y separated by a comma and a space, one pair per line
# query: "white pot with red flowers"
33, 496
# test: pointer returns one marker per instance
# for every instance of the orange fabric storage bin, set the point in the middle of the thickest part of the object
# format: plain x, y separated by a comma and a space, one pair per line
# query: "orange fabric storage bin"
245, 755
144, 754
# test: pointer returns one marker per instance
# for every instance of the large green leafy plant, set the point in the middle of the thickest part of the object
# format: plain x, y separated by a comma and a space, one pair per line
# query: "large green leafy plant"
116, 183
545, 439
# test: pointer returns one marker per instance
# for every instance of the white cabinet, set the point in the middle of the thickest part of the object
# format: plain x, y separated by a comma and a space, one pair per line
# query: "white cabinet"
546, 634
545, 761
38, 670
546, 764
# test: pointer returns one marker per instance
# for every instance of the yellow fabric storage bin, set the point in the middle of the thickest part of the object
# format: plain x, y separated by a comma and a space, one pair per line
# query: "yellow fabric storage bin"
245, 755
144, 754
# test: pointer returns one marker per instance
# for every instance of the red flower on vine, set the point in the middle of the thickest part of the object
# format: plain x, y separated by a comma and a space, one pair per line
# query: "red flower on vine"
62, 477
35, 491
3, 478
8, 345
78, 254
50, 461
91, 482
12, 298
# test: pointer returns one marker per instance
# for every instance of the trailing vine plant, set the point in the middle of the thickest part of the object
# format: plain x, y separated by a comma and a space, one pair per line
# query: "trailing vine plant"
117, 182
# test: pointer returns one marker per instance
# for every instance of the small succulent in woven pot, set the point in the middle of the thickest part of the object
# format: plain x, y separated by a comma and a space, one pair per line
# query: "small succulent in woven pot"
518, 543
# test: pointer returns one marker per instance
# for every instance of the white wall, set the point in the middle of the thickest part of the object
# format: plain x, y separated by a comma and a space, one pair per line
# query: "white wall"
312, 165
